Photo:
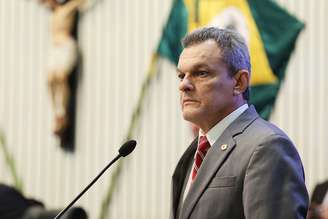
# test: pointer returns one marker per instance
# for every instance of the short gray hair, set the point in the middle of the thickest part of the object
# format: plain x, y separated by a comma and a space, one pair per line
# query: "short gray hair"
234, 50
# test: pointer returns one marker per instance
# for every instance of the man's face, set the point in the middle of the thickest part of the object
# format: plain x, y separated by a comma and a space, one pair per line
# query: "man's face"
206, 87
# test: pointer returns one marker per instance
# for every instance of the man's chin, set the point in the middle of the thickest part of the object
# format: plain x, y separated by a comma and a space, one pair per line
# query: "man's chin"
190, 116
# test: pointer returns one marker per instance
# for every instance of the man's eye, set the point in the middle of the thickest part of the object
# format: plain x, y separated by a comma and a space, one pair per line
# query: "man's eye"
181, 76
202, 73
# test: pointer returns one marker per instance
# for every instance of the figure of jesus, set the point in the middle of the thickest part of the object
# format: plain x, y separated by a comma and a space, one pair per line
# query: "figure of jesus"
63, 57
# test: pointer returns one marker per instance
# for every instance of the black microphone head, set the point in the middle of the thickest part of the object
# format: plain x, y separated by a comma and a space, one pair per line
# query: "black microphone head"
127, 148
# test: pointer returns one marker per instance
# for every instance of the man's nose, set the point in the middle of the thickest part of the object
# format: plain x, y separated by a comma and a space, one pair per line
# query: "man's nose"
186, 84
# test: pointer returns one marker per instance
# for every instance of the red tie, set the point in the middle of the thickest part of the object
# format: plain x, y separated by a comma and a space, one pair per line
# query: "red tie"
202, 149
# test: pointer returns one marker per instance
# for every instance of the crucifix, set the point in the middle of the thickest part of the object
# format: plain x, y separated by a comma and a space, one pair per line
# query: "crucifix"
63, 65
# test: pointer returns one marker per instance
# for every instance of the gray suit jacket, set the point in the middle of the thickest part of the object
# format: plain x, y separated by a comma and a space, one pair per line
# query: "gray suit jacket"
258, 176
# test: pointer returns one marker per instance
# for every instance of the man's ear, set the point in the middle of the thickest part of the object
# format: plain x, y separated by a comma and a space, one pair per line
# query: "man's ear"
242, 78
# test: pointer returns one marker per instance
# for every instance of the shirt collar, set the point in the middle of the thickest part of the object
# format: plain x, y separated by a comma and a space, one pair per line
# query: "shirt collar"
214, 133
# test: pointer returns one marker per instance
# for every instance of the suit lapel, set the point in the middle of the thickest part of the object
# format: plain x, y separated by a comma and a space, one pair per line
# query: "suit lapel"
214, 159
179, 176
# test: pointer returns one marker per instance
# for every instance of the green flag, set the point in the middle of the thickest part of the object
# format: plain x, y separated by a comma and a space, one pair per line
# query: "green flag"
270, 32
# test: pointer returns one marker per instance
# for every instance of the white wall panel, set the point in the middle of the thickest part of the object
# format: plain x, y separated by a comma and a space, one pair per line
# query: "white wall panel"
302, 102
117, 39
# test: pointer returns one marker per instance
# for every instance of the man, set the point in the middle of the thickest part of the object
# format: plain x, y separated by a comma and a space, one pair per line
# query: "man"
13, 205
62, 58
319, 202
243, 167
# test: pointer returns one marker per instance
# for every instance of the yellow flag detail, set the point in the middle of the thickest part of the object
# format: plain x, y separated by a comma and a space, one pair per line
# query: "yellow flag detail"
234, 14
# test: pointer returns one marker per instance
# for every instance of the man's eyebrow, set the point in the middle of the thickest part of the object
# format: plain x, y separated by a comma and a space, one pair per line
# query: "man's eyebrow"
197, 66
201, 65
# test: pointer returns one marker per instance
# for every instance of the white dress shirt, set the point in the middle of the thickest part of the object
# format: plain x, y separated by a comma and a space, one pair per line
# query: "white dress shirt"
325, 200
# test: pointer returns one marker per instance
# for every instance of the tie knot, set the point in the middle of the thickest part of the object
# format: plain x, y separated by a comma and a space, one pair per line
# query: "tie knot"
203, 145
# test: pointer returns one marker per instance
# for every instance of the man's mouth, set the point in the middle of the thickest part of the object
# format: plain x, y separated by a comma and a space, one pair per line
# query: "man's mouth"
188, 101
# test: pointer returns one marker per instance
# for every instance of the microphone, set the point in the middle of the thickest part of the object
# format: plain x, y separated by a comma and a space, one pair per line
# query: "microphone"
127, 148
124, 150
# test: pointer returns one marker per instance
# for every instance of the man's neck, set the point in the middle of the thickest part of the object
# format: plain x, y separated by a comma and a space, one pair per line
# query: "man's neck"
209, 125
216, 131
